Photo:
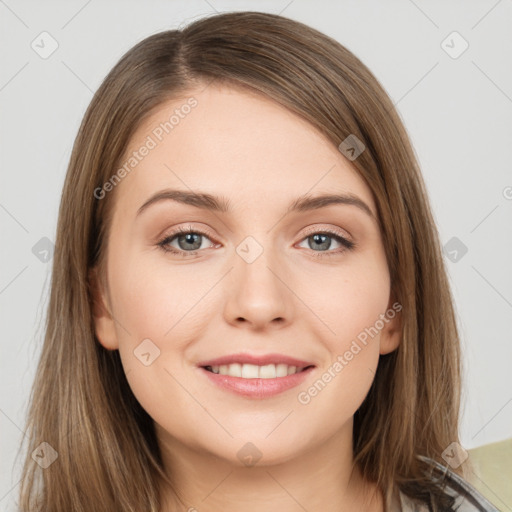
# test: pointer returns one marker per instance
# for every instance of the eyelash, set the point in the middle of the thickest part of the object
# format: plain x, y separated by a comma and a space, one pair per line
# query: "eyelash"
348, 245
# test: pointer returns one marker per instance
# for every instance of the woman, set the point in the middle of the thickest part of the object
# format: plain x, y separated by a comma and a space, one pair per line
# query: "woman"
249, 306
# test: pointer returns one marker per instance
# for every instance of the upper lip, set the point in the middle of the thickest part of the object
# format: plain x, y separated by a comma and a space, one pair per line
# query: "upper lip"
259, 360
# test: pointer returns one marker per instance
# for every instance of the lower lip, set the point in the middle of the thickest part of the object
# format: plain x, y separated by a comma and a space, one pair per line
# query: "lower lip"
257, 388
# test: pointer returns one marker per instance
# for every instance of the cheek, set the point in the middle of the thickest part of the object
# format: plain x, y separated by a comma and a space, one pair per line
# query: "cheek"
164, 304
349, 300
356, 298
151, 300
157, 304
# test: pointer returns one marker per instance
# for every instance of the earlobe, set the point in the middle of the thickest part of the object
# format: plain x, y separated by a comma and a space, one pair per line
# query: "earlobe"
104, 327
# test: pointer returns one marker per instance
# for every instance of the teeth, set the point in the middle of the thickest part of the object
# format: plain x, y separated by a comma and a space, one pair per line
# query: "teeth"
234, 370
252, 371
292, 369
282, 370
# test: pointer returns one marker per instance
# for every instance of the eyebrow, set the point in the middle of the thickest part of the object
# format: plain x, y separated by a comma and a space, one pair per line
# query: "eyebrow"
221, 204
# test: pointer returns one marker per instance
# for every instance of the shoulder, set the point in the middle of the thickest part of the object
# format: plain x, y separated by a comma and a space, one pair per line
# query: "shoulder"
467, 498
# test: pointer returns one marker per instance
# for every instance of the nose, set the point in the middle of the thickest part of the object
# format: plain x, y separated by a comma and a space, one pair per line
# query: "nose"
257, 293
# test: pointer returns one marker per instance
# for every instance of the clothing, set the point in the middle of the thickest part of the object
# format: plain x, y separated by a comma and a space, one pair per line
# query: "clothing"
468, 499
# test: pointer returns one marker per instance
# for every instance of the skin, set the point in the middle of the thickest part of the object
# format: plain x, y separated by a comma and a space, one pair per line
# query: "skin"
260, 156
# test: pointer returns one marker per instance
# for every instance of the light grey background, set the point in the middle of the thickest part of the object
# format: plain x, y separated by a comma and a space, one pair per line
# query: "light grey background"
458, 112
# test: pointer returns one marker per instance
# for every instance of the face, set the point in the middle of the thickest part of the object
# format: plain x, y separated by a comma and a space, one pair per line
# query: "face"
270, 289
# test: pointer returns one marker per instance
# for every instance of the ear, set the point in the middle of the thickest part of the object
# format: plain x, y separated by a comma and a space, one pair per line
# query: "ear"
391, 334
104, 325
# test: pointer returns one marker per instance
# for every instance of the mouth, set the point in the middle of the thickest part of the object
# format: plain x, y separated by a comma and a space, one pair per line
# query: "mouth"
256, 376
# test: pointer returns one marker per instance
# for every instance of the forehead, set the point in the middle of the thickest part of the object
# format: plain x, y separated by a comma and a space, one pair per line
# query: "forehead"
234, 143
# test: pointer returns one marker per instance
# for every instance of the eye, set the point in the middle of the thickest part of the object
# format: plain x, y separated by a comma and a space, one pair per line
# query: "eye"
322, 240
189, 241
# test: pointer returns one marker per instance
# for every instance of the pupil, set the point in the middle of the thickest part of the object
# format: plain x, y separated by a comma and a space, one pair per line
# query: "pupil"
189, 237
325, 245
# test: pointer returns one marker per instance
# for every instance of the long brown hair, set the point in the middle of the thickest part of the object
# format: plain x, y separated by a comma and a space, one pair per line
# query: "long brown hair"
81, 403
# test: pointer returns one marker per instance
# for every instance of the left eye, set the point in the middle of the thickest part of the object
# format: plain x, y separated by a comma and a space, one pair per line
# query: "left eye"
323, 241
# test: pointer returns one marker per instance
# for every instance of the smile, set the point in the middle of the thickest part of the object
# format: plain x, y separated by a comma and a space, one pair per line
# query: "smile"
256, 376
